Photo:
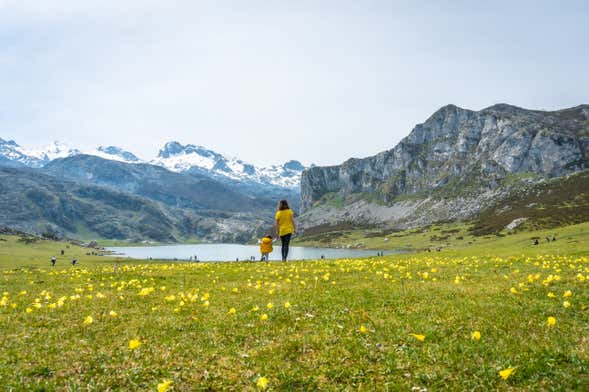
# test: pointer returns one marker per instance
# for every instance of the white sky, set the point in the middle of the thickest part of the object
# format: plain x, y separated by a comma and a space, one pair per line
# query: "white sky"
269, 81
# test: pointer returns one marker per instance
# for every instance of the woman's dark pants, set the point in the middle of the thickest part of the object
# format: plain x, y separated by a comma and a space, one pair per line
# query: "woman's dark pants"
285, 240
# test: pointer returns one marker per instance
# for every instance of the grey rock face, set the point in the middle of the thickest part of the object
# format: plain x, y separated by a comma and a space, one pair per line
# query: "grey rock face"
462, 146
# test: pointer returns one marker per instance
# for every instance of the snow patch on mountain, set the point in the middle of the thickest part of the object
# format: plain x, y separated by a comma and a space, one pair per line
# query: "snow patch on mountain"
53, 151
114, 154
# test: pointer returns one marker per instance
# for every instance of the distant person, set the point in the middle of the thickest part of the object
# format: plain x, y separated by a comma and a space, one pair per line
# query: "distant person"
74, 261
53, 260
266, 247
285, 226
536, 242
62, 252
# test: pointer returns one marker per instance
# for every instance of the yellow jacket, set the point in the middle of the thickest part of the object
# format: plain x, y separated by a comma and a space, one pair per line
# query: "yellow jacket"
266, 245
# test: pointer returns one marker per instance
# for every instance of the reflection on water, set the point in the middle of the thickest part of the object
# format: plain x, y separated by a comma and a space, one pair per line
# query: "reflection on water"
232, 252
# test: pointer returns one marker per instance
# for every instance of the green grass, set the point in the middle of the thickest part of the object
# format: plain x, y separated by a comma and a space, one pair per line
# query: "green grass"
456, 239
14, 253
515, 178
348, 326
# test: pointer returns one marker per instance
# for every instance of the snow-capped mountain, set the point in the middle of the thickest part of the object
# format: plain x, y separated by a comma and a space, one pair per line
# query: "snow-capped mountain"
174, 156
53, 151
114, 154
191, 158
12, 154
17, 155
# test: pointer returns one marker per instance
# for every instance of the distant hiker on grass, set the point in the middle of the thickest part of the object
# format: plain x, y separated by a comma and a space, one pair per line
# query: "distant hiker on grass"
266, 248
53, 260
285, 226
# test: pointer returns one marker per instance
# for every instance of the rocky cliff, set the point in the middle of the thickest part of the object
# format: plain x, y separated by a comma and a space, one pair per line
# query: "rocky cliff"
463, 154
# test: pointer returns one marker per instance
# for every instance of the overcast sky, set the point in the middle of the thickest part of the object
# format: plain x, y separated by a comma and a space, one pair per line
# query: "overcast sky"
269, 81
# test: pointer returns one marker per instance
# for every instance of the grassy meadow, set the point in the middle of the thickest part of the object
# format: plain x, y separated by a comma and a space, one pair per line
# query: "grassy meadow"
457, 239
424, 321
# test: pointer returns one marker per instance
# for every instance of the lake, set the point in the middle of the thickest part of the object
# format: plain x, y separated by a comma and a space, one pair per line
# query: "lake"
231, 252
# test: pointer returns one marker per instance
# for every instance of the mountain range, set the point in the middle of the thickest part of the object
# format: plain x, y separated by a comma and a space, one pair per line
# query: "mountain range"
188, 192
172, 156
494, 167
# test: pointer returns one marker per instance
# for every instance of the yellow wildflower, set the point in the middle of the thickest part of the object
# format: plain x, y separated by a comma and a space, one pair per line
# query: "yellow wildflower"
287, 305
264, 317
112, 313
270, 305
134, 344
421, 338
363, 329
551, 321
567, 294
505, 373
551, 295
164, 386
231, 311
146, 291
566, 304
262, 383
88, 320
476, 335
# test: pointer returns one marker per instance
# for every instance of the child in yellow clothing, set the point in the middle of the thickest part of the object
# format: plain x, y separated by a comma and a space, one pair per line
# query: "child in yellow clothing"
266, 247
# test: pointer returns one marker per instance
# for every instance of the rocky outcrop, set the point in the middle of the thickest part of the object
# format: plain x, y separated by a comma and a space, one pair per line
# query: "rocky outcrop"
462, 148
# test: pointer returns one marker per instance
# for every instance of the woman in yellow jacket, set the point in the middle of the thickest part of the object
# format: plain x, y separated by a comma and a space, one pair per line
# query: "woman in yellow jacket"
285, 226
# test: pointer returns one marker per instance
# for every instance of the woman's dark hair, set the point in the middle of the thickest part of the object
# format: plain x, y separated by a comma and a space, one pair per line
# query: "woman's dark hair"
283, 205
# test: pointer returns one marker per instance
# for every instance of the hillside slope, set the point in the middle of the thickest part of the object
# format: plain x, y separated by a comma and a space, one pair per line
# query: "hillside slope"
35, 202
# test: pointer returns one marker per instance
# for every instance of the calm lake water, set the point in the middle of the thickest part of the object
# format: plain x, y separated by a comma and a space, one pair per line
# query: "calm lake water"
231, 252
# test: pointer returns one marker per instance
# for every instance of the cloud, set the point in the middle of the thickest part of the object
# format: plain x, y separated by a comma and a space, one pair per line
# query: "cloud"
269, 81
